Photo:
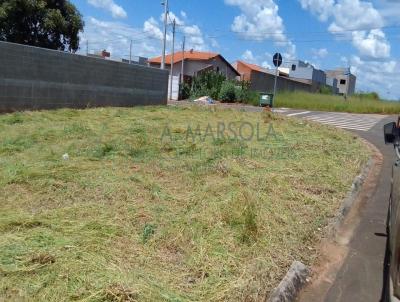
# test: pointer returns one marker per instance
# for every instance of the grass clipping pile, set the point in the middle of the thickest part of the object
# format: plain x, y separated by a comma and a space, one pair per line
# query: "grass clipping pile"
163, 204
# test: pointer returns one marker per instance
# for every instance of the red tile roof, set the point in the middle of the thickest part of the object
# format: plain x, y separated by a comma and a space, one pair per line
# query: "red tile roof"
189, 55
253, 67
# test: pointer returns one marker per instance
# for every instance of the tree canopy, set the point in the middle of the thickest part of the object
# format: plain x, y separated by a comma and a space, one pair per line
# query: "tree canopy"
53, 24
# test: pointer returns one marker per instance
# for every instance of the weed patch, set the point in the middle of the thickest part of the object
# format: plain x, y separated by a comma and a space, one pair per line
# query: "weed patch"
128, 216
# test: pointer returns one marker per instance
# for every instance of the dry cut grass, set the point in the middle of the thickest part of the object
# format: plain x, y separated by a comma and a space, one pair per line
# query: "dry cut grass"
131, 217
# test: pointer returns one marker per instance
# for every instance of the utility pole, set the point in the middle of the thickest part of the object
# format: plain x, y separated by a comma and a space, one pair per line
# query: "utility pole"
172, 59
130, 53
165, 3
87, 47
183, 59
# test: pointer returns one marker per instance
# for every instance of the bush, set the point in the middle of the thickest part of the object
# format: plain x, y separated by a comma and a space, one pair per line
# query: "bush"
252, 98
247, 96
324, 89
228, 92
207, 84
368, 96
185, 91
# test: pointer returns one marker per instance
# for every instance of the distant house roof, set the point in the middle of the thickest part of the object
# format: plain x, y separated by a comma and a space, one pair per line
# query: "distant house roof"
253, 67
191, 55
283, 74
257, 68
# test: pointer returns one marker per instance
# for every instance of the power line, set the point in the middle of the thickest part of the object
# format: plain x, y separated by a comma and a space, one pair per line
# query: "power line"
308, 32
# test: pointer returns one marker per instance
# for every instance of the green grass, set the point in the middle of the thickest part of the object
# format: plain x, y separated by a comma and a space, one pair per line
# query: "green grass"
321, 102
130, 217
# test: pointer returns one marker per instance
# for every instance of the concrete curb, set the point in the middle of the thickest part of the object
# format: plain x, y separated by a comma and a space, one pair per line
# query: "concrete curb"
291, 284
297, 276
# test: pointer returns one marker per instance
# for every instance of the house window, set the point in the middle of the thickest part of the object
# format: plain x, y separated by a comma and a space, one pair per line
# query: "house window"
342, 82
293, 67
217, 68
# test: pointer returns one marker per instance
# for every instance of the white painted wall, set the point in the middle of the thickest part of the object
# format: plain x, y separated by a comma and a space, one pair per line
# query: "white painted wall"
175, 87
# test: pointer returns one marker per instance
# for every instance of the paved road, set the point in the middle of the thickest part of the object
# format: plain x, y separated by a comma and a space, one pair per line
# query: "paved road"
348, 121
360, 278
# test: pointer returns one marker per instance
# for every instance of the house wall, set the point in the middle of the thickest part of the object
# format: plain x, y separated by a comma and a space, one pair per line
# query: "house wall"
332, 82
307, 72
301, 73
350, 86
191, 67
245, 71
319, 76
37, 78
264, 82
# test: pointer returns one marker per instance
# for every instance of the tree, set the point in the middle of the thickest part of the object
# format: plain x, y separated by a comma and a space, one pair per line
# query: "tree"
53, 24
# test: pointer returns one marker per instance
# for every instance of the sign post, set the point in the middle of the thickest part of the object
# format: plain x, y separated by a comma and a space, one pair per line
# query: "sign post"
277, 60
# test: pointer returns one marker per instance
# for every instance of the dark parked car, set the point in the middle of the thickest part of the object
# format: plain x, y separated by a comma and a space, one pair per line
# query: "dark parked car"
391, 290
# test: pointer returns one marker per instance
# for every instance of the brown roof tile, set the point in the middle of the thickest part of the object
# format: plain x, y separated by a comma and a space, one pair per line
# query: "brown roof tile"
189, 55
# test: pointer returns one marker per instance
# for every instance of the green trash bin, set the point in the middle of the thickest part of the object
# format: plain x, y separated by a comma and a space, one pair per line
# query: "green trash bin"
266, 99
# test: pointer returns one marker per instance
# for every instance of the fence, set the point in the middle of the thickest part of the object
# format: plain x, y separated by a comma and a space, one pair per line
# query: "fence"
265, 82
37, 78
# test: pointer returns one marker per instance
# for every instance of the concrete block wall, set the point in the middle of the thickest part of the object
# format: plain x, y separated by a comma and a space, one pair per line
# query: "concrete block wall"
37, 78
265, 83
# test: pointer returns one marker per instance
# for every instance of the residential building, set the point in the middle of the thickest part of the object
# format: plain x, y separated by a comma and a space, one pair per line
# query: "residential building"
195, 62
303, 70
136, 61
333, 83
263, 80
346, 81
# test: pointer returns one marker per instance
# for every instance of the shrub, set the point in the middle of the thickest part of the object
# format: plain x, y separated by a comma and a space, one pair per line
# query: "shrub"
324, 89
228, 92
207, 83
367, 96
185, 91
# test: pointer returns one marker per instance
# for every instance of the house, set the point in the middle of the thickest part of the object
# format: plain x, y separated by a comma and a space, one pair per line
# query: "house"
302, 70
263, 80
136, 61
195, 62
346, 81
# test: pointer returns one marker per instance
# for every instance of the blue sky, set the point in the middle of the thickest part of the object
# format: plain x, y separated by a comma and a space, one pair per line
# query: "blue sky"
364, 35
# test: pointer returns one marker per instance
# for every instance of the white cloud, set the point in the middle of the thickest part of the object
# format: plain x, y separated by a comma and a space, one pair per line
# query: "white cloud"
354, 19
115, 37
171, 17
263, 60
183, 14
373, 44
266, 65
151, 28
321, 8
194, 36
214, 43
355, 15
376, 76
259, 20
320, 53
116, 10
248, 56
389, 10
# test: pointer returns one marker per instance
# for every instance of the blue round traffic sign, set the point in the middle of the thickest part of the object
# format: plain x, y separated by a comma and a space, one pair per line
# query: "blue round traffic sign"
277, 59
